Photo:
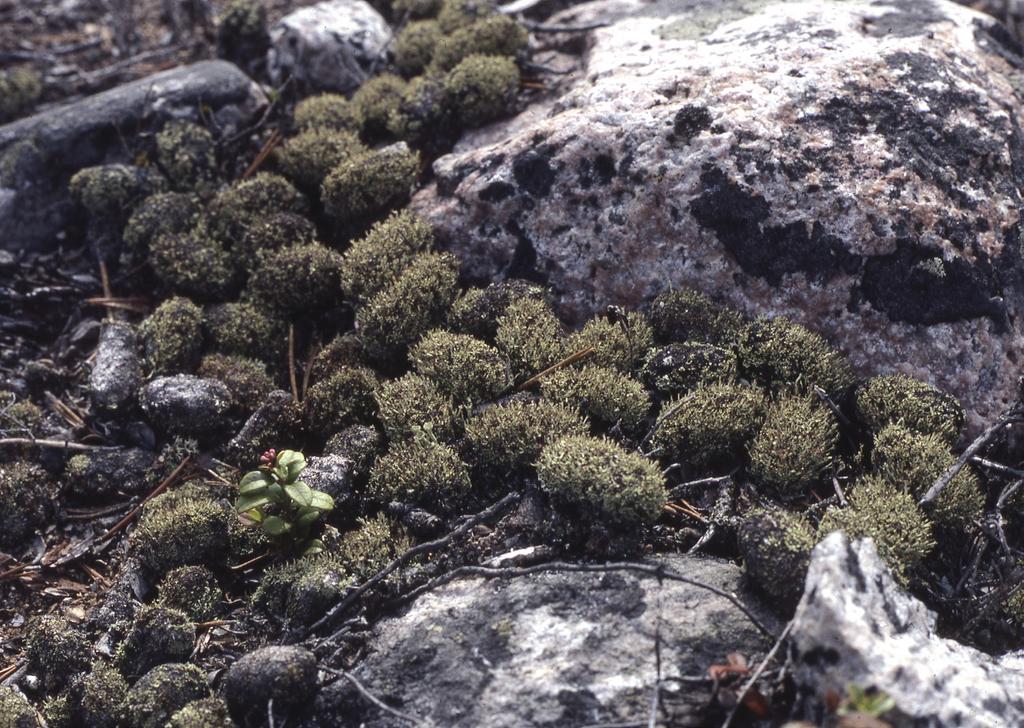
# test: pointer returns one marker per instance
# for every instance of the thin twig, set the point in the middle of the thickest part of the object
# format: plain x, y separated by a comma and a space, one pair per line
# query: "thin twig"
291, 363
370, 696
757, 674
250, 562
539, 28
658, 571
680, 490
164, 485
953, 470
481, 517
567, 361
108, 292
839, 491
55, 444
264, 152
998, 467
307, 369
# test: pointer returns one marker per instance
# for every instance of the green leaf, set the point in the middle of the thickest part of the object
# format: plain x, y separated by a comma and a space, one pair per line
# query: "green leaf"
248, 502
275, 493
293, 462
307, 516
254, 476
315, 546
276, 526
321, 501
299, 492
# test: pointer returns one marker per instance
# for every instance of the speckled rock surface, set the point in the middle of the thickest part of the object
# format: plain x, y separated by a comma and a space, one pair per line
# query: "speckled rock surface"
187, 405
554, 649
854, 625
332, 474
117, 371
330, 46
856, 166
285, 674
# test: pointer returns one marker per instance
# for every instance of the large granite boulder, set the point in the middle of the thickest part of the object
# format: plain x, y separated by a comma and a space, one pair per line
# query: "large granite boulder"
855, 626
857, 166
561, 649
38, 154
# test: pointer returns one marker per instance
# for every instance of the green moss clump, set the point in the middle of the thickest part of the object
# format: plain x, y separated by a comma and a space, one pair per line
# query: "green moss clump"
370, 184
172, 337
246, 379
495, 35
607, 396
619, 344
888, 515
242, 329
307, 159
25, 500
343, 350
21, 415
57, 712
795, 445
359, 443
276, 231
157, 636
710, 425
455, 14
678, 368
242, 31
97, 698
914, 461
424, 115
161, 692
191, 590
465, 368
56, 651
165, 213
188, 155
608, 483
372, 546
916, 405
205, 713
20, 89
377, 259
686, 315
780, 353
303, 589
776, 548
482, 89
236, 208
113, 190
421, 471
178, 531
412, 403
403, 312
344, 398
531, 337
478, 310
194, 264
414, 46
326, 111
416, 8
16, 711
374, 102
509, 437
298, 279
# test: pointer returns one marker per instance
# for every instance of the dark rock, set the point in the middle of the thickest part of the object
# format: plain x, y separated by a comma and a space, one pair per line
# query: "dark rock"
333, 474
285, 674
104, 472
157, 636
39, 154
117, 372
552, 649
187, 405
162, 691
277, 423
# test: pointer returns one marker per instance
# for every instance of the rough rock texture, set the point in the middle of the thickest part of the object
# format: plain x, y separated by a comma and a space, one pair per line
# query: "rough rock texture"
333, 474
854, 625
857, 166
117, 371
187, 405
549, 649
105, 472
286, 674
329, 46
39, 154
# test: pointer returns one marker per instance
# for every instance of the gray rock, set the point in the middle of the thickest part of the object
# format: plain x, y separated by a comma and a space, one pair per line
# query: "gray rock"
552, 649
854, 625
187, 405
285, 674
105, 472
852, 165
39, 154
330, 46
277, 423
333, 474
117, 371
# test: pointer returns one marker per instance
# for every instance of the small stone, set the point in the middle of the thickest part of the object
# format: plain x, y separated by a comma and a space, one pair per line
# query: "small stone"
187, 405
117, 371
332, 474
285, 674
105, 472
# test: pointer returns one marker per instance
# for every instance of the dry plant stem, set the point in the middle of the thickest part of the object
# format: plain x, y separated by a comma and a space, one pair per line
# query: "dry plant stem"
307, 368
264, 152
983, 439
481, 517
659, 572
164, 485
998, 467
291, 363
55, 444
370, 696
757, 674
108, 292
538, 28
567, 361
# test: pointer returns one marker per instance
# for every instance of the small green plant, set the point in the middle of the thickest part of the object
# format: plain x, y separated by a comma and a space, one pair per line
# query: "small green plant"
873, 703
284, 506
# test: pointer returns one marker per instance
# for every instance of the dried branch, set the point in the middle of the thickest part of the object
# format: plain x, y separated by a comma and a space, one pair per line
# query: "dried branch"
164, 485
370, 696
757, 674
567, 361
55, 444
291, 363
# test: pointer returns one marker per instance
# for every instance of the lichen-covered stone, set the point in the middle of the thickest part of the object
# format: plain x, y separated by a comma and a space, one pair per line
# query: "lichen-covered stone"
26, 503
360, 444
117, 371
158, 635
187, 405
795, 445
897, 398
678, 368
105, 472
191, 590
278, 422
161, 692
284, 674
482, 88
412, 403
776, 548
375, 260
172, 337
370, 184
467, 369
420, 471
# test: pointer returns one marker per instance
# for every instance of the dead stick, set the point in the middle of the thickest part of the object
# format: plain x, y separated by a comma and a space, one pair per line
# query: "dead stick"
757, 674
291, 363
57, 444
308, 368
568, 361
370, 696
107, 291
164, 485
265, 151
